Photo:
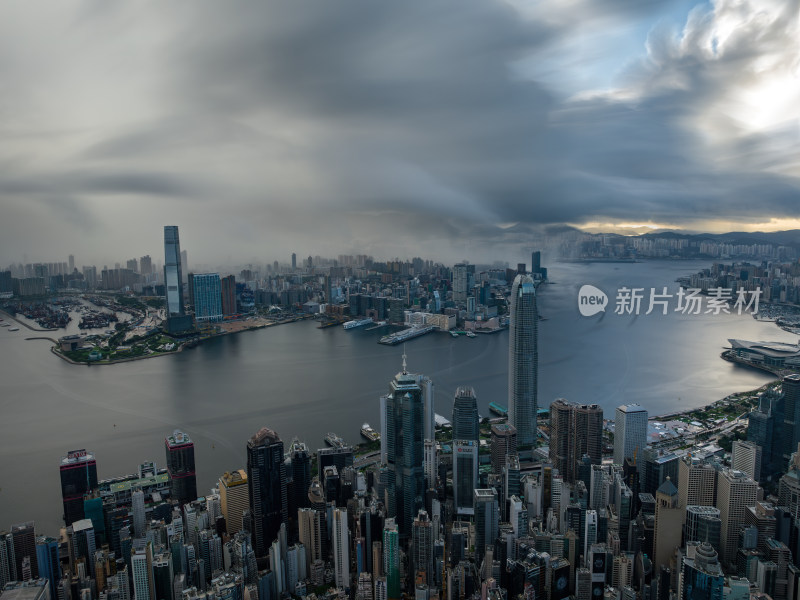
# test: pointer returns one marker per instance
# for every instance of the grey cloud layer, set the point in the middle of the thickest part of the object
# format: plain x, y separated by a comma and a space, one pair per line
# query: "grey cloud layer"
344, 124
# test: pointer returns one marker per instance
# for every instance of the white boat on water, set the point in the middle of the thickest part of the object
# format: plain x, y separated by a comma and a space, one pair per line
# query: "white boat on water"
14, 329
357, 323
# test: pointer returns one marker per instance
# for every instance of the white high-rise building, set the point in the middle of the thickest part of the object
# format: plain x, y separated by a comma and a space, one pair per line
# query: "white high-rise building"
141, 568
589, 531
630, 432
341, 548
746, 456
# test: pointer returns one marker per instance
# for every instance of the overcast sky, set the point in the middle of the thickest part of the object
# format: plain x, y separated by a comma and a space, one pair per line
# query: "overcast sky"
395, 128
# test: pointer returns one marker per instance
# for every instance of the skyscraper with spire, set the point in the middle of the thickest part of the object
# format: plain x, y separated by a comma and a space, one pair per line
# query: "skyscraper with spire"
403, 427
523, 360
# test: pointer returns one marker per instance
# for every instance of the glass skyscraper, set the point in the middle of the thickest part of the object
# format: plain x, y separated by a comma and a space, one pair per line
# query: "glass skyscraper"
465, 415
177, 320
403, 420
523, 360
78, 476
266, 478
180, 465
207, 297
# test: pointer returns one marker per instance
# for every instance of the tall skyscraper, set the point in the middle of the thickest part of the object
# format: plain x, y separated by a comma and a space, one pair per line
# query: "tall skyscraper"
503, 444
465, 415
207, 298
391, 558
735, 492
228, 295
177, 320
461, 277
180, 466
78, 477
575, 430
630, 432
791, 419
746, 456
341, 548
523, 360
266, 480
487, 519
701, 575
465, 475
233, 499
697, 482
294, 261
23, 536
300, 464
422, 548
403, 420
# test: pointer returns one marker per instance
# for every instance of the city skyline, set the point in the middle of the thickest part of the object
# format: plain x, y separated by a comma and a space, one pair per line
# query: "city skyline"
463, 126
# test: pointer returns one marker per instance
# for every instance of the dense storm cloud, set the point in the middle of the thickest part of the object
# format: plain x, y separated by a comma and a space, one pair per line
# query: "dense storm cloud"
389, 128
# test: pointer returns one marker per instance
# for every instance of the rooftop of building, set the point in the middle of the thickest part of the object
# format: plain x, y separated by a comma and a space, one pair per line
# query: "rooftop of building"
234, 478
75, 457
26, 590
772, 349
178, 438
264, 436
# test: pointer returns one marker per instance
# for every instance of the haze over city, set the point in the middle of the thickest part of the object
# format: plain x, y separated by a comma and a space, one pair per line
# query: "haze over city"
395, 129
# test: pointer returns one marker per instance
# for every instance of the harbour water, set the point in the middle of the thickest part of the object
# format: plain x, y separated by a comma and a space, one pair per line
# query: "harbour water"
303, 381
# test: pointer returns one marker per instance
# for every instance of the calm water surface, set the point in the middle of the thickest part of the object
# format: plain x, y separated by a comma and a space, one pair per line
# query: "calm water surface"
302, 381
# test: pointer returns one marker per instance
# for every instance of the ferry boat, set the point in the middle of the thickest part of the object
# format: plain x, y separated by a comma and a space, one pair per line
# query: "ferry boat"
369, 433
358, 323
498, 409
334, 440
405, 335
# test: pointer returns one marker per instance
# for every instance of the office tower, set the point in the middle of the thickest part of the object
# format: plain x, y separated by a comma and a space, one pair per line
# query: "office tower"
138, 513
391, 558
465, 415
23, 536
163, 575
266, 479
82, 544
791, 417
234, 499
789, 486
700, 573
177, 320
465, 475
294, 261
461, 277
746, 456
47, 560
300, 465
207, 298
702, 525
141, 567
583, 584
630, 432
668, 524
762, 517
590, 534
145, 265
78, 477
654, 468
180, 466
765, 429
310, 524
487, 520
575, 430
503, 443
228, 292
403, 420
523, 360
697, 482
341, 548
430, 463
735, 492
